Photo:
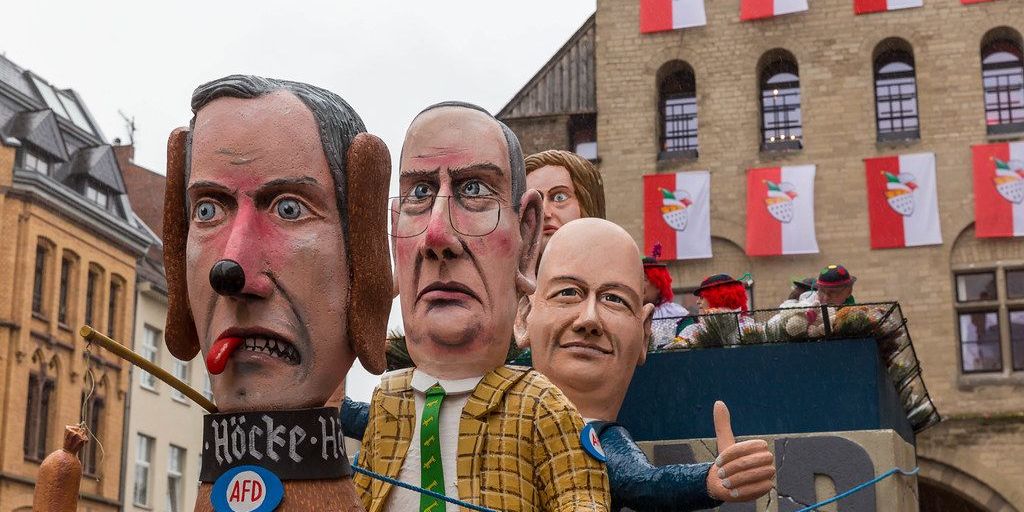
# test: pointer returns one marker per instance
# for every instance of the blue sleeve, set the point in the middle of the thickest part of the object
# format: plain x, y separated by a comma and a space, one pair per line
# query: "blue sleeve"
637, 484
354, 416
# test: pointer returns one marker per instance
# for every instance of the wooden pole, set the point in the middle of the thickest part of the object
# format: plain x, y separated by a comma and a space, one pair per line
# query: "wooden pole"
93, 336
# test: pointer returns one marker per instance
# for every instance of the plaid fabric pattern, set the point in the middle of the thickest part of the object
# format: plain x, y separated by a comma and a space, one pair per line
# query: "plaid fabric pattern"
519, 445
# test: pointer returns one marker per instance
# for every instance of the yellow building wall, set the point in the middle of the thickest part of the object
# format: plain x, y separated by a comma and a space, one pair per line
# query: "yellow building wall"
30, 341
834, 51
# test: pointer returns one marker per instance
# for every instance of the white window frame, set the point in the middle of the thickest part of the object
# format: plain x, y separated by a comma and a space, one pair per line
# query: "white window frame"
34, 162
181, 370
150, 350
144, 465
97, 196
176, 460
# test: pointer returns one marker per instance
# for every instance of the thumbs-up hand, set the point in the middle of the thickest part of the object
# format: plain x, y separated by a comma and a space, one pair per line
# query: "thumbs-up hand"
743, 471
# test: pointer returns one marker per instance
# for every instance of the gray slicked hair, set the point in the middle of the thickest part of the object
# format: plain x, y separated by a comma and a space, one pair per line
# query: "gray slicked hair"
336, 121
516, 163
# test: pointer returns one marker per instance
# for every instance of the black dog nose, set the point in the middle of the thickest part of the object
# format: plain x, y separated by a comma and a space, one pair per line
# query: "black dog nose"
227, 277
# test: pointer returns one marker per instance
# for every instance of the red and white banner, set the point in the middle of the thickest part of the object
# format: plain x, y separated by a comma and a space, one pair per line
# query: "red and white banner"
677, 214
966, 2
870, 6
903, 201
757, 9
661, 15
999, 190
780, 211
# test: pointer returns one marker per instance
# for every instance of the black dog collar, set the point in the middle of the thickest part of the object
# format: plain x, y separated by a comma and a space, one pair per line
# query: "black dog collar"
303, 444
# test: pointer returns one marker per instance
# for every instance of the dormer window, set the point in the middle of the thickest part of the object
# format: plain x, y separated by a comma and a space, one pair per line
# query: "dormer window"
35, 162
97, 195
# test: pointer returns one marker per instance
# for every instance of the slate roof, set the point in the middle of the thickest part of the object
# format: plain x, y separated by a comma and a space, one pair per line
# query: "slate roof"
55, 124
12, 74
40, 129
98, 163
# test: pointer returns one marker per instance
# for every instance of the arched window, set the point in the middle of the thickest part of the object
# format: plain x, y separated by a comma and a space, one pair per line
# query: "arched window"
677, 101
39, 407
115, 305
94, 281
1002, 74
895, 91
68, 278
41, 277
93, 406
781, 126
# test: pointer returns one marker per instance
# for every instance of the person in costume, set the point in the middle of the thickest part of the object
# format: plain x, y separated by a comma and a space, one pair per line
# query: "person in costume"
571, 186
834, 287
801, 287
668, 316
587, 325
265, 278
466, 235
721, 300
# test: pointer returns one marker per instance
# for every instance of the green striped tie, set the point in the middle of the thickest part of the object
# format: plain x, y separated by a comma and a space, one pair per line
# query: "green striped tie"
431, 473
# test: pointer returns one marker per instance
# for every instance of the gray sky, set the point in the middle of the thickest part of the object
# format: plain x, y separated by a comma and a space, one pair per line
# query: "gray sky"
388, 59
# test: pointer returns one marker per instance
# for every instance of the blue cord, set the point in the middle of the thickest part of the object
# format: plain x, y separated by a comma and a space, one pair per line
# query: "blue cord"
869, 483
478, 508
420, 490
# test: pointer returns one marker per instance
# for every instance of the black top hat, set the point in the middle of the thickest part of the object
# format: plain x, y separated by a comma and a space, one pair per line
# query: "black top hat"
713, 281
807, 283
835, 276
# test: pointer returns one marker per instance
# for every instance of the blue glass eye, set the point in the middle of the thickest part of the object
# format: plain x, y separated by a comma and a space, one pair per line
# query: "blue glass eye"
289, 209
206, 210
475, 188
420, 191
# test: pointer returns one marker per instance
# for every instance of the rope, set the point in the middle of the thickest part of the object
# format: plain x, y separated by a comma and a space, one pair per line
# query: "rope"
399, 483
86, 401
432, 494
860, 487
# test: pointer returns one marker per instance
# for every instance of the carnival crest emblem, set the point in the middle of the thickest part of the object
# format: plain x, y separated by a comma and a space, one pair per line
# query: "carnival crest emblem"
1009, 180
675, 208
899, 192
780, 200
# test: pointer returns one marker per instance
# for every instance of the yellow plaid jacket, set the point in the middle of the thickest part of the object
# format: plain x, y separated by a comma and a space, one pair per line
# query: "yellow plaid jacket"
519, 445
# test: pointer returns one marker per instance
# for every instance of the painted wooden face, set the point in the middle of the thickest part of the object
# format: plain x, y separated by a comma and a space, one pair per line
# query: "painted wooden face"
587, 325
261, 194
560, 202
457, 277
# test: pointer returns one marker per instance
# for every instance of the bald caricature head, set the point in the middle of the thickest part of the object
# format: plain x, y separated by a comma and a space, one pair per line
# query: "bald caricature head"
466, 236
587, 324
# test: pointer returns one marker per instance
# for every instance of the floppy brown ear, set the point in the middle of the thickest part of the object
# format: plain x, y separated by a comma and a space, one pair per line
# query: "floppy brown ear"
368, 177
180, 333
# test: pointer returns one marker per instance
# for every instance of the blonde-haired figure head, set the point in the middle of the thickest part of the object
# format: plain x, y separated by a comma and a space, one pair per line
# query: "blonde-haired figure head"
571, 186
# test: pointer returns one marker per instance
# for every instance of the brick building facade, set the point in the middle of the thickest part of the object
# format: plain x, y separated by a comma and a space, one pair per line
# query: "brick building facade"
68, 258
976, 456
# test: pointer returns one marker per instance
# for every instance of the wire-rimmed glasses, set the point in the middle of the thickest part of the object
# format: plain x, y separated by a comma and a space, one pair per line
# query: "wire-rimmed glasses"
469, 215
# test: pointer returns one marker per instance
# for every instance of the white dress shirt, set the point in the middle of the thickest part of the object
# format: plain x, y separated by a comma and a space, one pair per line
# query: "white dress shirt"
457, 393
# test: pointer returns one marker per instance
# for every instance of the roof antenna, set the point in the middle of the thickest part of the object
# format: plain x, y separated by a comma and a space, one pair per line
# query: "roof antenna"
129, 124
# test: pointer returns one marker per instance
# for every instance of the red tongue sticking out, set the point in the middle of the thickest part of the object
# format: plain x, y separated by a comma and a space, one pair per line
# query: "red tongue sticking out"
219, 354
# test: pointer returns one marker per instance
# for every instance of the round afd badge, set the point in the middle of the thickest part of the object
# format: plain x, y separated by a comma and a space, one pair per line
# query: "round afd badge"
591, 443
247, 489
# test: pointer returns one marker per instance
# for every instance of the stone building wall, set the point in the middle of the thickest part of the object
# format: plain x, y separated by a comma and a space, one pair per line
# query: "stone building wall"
834, 50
